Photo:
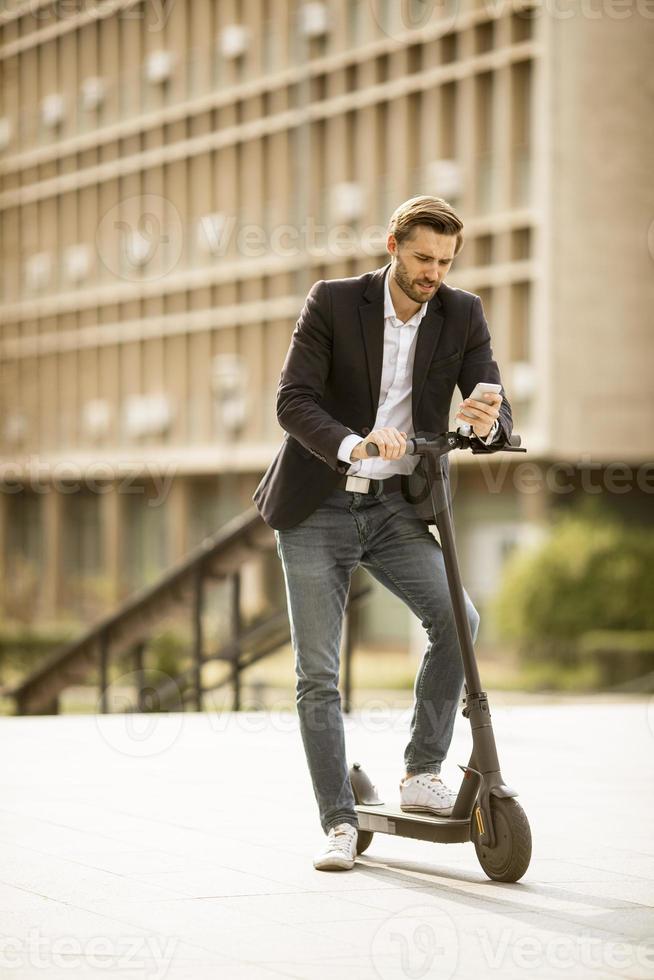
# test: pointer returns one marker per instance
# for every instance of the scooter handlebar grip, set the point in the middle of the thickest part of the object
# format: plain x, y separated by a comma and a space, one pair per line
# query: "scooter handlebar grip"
372, 449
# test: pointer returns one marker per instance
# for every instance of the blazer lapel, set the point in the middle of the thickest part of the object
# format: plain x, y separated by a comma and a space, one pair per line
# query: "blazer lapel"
428, 333
371, 313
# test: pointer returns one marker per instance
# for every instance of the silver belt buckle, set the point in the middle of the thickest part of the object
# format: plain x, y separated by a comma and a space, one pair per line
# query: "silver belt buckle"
359, 484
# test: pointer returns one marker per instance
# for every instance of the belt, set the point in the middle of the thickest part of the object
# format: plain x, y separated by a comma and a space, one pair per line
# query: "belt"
364, 484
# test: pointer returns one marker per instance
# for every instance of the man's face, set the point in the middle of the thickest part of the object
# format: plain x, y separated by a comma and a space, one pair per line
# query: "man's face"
420, 264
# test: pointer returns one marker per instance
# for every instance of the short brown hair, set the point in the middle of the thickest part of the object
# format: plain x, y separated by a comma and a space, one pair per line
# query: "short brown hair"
426, 210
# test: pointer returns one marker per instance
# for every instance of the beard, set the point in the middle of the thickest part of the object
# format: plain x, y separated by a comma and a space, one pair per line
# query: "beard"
410, 287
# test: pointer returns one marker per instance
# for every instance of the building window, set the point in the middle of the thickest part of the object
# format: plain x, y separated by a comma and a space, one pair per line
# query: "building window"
382, 68
414, 58
486, 297
24, 555
483, 35
522, 25
519, 341
520, 244
449, 48
484, 134
145, 544
213, 502
82, 554
521, 88
483, 250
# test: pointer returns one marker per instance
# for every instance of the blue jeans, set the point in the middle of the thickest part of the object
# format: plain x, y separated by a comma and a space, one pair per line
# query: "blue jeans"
318, 556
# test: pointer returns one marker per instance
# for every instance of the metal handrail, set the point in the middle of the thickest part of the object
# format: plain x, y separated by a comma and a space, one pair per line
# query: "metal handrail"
127, 629
132, 623
258, 641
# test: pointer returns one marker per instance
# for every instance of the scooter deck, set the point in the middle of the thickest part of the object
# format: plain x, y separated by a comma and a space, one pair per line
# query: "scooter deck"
385, 818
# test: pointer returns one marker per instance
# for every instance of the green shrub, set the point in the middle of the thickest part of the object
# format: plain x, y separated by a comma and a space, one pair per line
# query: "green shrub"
592, 573
22, 646
620, 655
168, 652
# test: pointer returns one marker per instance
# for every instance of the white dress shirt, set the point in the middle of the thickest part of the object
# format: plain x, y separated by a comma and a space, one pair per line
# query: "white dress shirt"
394, 408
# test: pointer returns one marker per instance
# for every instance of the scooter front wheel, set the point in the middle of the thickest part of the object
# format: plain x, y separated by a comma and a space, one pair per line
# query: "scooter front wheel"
364, 840
510, 857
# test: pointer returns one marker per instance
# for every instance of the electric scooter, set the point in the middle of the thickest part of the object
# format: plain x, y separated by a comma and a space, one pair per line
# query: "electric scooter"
485, 810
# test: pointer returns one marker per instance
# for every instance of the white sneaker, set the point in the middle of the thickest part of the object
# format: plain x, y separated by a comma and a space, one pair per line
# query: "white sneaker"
340, 849
426, 792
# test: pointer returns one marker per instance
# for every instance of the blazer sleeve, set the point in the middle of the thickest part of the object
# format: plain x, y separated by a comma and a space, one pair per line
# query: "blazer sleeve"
302, 382
478, 365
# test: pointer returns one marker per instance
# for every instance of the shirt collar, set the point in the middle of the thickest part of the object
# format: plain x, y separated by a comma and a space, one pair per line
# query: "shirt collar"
389, 309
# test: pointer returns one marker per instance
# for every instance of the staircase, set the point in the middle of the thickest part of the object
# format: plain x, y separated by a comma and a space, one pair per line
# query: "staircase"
126, 631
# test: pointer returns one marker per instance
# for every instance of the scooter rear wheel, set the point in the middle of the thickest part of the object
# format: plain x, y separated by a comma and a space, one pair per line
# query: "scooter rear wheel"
364, 840
510, 857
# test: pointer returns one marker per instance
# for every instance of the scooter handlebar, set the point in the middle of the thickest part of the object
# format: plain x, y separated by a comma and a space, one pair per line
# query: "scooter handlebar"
452, 440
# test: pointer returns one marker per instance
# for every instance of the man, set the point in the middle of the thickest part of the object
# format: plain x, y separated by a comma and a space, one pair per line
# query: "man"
375, 358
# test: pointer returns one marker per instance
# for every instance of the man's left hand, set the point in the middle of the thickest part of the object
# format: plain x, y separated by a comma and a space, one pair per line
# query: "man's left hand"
480, 414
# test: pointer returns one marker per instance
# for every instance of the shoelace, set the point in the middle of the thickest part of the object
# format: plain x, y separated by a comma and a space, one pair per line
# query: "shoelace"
442, 791
437, 779
339, 839
434, 778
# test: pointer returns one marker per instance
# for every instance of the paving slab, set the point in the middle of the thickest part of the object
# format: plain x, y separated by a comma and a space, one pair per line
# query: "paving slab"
180, 846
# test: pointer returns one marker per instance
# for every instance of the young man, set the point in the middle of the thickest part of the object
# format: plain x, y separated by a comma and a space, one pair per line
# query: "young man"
375, 358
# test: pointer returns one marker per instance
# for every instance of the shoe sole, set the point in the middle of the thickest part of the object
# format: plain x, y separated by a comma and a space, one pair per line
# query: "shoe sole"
335, 865
442, 812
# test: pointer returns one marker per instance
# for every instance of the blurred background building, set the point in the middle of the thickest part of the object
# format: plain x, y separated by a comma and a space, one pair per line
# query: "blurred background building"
173, 178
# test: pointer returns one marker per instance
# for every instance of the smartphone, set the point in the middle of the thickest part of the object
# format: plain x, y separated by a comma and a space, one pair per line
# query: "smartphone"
484, 388
480, 389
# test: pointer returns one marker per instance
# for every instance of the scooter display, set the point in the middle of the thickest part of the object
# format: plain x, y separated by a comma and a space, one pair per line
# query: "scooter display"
486, 811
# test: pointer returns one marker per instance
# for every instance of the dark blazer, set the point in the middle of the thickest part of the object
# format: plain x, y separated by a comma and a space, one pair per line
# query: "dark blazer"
330, 381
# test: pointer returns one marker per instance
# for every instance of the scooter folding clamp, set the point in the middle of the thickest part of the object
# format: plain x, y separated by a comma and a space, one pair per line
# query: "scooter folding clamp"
472, 701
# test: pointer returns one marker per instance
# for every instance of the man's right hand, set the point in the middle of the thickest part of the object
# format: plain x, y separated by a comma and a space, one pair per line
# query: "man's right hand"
391, 443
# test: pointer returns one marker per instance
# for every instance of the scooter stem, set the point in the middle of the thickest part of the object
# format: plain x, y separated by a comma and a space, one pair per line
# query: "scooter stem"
441, 511
482, 775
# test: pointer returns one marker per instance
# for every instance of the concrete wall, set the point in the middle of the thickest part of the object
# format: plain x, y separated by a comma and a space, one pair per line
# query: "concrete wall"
601, 209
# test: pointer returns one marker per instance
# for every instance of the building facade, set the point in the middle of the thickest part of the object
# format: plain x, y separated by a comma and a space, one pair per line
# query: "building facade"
175, 176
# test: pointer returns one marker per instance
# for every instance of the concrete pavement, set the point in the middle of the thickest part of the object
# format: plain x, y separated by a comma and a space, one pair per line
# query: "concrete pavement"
180, 846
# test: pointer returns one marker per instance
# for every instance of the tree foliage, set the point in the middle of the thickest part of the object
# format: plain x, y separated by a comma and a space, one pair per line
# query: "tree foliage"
592, 573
